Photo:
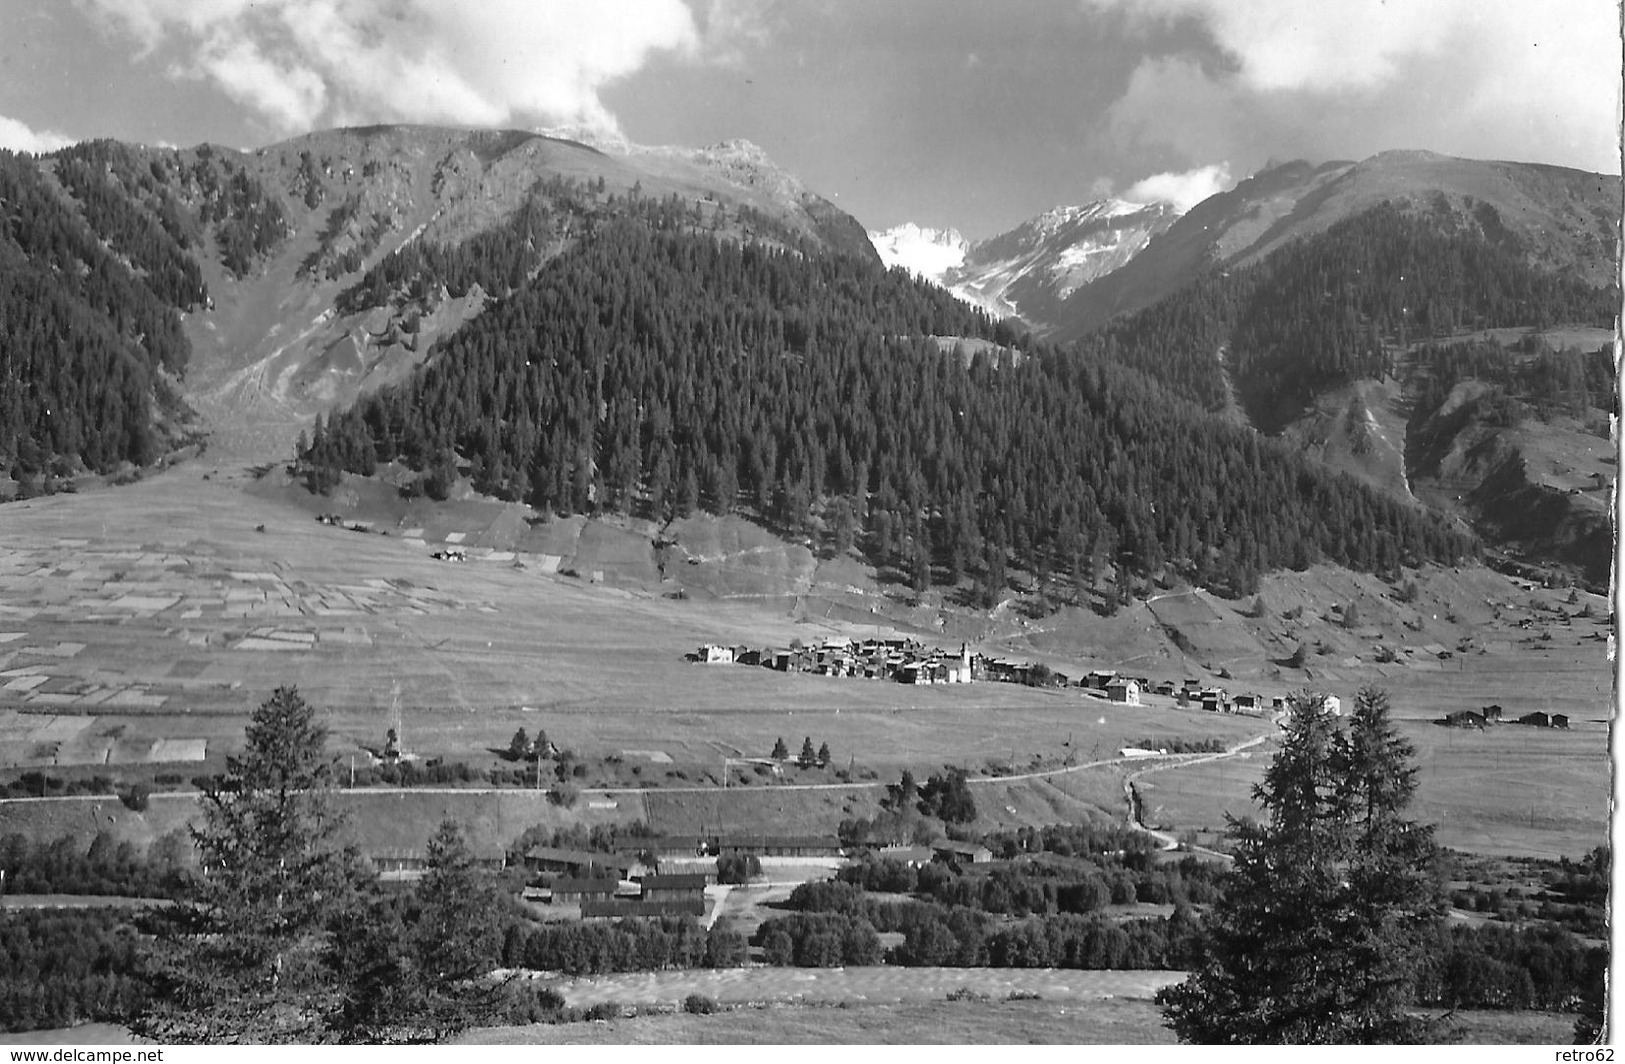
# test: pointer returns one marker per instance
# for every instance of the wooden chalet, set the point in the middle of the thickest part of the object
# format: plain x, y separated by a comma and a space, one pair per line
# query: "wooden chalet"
1100, 679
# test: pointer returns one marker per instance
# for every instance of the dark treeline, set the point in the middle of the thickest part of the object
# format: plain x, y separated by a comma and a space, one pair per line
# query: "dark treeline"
59, 968
664, 373
1530, 377
1036, 887
1325, 309
631, 945
1041, 912
82, 337
558, 209
498, 259
96, 267
836, 921
1494, 966
109, 866
128, 203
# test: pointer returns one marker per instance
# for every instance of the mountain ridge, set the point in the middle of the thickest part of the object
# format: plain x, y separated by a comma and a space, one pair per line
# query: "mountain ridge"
1029, 270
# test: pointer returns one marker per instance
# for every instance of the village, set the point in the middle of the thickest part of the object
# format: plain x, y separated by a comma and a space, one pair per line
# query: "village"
908, 661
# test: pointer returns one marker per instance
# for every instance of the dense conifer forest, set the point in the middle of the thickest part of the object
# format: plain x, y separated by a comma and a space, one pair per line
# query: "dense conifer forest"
1329, 309
649, 370
98, 260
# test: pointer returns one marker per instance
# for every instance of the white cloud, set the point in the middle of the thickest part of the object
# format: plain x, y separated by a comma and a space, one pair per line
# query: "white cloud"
1509, 78
304, 63
16, 136
1183, 190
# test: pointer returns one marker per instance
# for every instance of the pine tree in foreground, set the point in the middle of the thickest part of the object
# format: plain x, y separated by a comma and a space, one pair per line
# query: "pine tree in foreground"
243, 959
1316, 939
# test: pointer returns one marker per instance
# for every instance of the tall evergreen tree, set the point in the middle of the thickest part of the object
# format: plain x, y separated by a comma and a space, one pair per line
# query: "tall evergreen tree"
1395, 893
457, 936
1299, 947
243, 960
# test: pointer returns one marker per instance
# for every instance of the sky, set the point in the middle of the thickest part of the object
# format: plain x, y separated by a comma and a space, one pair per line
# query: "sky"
952, 113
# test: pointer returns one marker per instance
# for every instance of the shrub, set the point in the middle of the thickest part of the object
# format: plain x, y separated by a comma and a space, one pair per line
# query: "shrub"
136, 797
525, 1003
604, 1010
564, 794
700, 1005
738, 868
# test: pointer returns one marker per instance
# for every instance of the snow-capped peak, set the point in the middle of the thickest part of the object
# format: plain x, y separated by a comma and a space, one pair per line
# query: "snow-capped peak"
931, 253
1038, 263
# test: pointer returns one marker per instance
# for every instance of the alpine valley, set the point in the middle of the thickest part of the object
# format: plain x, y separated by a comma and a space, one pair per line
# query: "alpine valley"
516, 453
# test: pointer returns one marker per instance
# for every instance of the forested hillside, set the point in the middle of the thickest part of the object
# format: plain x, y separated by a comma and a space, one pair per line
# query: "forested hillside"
98, 263
1330, 308
659, 372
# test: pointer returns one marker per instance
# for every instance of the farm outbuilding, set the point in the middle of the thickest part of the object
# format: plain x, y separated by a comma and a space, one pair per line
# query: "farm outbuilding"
680, 887
1537, 719
913, 856
963, 852
578, 890
677, 846
576, 863
779, 845
1126, 692
1560, 720
1100, 679
410, 864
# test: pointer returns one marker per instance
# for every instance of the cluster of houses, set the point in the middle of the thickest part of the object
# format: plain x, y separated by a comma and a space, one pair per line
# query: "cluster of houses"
1467, 718
657, 877
911, 662
1191, 694
903, 660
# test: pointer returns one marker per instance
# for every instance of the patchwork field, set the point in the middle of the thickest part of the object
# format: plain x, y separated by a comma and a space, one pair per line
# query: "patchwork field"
140, 625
